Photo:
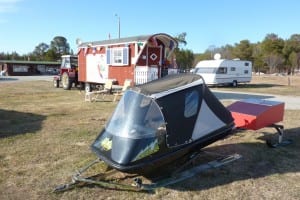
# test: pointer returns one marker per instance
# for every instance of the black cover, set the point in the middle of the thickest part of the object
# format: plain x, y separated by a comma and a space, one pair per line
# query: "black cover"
179, 127
175, 140
166, 83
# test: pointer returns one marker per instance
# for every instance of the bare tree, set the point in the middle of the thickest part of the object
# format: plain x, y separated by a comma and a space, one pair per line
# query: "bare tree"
273, 61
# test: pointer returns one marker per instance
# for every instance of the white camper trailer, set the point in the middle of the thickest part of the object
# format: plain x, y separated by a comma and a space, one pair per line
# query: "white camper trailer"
222, 71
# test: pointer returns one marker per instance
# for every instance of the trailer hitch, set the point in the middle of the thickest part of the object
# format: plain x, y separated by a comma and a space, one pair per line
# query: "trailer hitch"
281, 141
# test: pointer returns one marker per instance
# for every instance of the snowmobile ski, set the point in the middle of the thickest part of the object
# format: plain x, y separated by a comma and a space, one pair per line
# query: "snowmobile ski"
138, 185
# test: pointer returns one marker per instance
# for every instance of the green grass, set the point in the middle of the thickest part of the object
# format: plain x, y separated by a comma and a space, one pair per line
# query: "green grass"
45, 136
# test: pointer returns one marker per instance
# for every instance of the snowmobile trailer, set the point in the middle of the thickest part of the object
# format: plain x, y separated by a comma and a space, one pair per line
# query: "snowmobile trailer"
168, 121
159, 122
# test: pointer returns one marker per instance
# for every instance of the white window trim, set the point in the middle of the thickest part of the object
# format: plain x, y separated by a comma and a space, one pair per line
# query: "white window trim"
112, 56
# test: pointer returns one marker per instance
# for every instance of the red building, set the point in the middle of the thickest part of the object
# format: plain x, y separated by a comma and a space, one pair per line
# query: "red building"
27, 68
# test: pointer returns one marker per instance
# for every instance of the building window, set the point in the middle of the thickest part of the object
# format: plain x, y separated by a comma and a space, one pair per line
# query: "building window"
191, 104
246, 71
20, 68
246, 64
117, 56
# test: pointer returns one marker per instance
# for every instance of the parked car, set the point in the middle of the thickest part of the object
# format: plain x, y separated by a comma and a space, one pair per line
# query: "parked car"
52, 71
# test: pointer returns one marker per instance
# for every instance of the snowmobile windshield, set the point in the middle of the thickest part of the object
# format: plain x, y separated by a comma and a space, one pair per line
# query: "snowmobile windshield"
136, 116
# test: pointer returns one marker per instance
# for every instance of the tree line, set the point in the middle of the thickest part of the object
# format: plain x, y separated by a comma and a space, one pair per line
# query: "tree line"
43, 52
271, 55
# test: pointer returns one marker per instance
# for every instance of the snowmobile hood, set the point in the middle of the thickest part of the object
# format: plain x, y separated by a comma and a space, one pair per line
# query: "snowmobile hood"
169, 84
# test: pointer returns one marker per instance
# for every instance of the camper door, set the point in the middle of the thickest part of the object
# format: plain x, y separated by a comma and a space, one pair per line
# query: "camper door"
154, 56
148, 67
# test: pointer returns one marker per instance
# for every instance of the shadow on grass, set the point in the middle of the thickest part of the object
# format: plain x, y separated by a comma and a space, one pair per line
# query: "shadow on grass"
251, 85
3, 78
260, 85
15, 123
258, 161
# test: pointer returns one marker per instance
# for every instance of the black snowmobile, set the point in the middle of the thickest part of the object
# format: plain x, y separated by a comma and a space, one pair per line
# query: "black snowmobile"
158, 123
161, 121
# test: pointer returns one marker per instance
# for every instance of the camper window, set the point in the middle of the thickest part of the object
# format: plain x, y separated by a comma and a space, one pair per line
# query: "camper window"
205, 70
232, 69
222, 70
246, 71
118, 56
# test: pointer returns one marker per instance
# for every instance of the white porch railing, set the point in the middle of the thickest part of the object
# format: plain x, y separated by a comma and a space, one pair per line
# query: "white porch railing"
144, 74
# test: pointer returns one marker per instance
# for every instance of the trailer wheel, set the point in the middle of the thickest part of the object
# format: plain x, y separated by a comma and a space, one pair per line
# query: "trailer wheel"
87, 87
234, 83
66, 83
56, 83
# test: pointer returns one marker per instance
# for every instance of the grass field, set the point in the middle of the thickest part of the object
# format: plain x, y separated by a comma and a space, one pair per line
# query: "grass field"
45, 134
282, 85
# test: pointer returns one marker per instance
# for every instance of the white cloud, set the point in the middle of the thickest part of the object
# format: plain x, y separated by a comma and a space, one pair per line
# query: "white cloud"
7, 6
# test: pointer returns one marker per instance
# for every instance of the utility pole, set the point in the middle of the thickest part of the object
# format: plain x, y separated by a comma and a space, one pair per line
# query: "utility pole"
119, 24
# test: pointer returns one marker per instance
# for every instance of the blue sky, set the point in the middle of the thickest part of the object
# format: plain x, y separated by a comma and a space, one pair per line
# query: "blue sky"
26, 23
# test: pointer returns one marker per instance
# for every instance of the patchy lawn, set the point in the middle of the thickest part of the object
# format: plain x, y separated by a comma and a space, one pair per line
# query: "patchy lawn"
45, 134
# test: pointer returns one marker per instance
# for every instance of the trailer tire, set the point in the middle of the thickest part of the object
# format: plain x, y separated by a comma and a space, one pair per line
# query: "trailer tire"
234, 83
87, 87
66, 82
56, 83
